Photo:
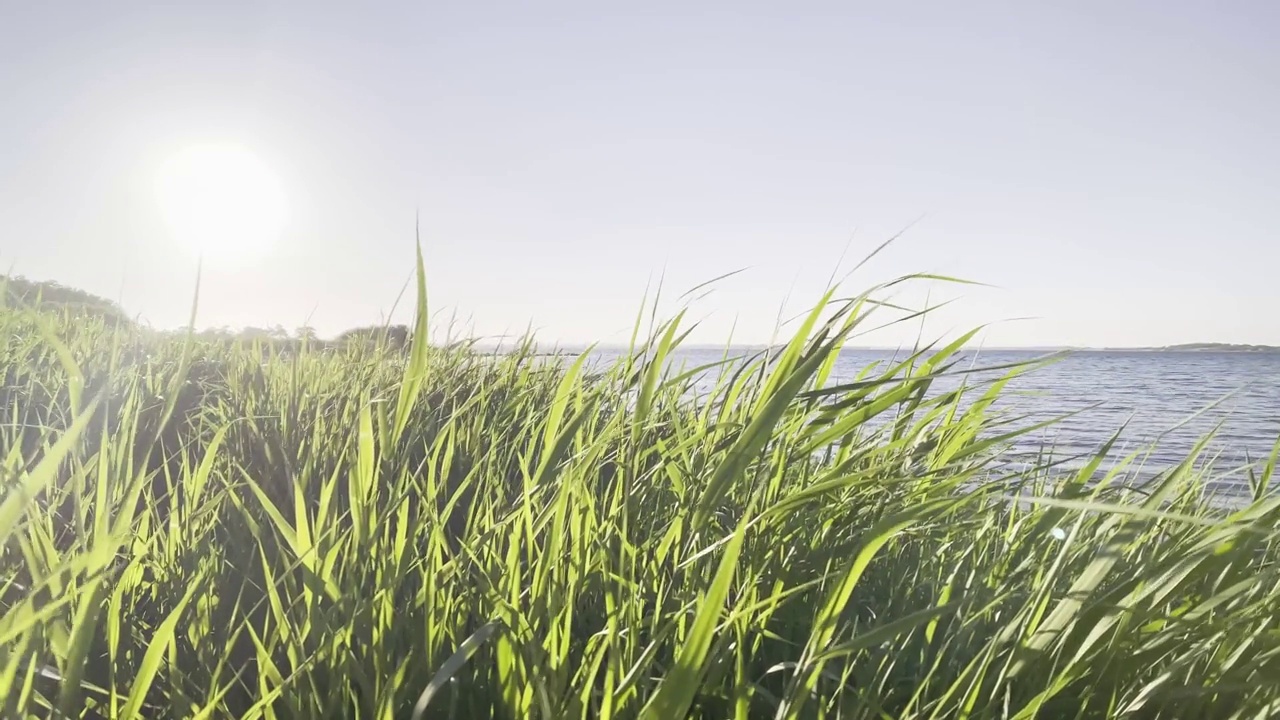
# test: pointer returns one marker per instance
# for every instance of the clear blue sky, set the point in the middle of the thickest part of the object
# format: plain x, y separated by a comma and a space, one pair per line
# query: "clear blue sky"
1112, 168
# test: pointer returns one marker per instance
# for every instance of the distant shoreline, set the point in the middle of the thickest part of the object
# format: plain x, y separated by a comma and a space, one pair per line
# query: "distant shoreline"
1204, 347
1184, 348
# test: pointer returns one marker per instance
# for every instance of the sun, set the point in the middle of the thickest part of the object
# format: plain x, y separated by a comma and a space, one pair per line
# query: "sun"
222, 201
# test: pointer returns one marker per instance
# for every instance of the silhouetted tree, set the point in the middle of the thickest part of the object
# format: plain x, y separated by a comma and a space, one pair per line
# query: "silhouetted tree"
393, 336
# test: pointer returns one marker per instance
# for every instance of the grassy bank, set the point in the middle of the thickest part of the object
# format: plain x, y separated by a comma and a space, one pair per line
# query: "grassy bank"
218, 530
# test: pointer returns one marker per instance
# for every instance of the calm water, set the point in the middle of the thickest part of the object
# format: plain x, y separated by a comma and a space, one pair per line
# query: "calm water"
1166, 399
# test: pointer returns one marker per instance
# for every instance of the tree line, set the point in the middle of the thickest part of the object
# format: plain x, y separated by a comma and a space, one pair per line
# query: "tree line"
19, 291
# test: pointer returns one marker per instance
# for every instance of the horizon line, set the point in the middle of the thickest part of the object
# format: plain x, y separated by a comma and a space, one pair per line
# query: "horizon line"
1183, 347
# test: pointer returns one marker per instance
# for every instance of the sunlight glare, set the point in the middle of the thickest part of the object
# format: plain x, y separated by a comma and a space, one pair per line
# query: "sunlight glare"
222, 201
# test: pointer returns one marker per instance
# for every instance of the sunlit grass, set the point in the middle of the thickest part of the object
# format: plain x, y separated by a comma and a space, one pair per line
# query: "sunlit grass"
213, 530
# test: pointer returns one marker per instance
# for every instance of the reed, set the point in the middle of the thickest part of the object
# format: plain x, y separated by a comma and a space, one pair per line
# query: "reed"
221, 530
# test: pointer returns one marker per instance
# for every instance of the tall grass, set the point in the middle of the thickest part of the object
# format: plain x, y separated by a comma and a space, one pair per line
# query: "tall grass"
219, 531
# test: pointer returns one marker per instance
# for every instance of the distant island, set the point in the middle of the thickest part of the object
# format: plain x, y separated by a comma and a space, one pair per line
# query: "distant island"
1207, 347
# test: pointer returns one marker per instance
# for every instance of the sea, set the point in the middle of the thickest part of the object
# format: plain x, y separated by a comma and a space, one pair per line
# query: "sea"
1162, 403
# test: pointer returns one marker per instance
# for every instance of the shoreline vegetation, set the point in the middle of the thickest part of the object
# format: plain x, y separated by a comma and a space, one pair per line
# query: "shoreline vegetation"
194, 525
1187, 348
24, 292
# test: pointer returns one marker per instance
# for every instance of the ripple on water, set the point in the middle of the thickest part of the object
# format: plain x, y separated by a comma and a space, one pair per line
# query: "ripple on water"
1171, 398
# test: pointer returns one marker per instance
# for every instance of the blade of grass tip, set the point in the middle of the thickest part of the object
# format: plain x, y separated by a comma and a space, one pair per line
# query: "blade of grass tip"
657, 301
778, 321
793, 351
924, 317
950, 280
712, 281
415, 373
564, 393
1268, 471
360, 486
833, 356
653, 371
188, 348
911, 314
307, 563
386, 324
676, 692
460, 657
197, 481
879, 248
835, 268
75, 377
635, 333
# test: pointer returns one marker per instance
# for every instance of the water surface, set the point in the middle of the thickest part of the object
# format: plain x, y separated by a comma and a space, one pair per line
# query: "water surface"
1165, 401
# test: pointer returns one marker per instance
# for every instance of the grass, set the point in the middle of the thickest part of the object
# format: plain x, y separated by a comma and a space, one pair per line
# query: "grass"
218, 530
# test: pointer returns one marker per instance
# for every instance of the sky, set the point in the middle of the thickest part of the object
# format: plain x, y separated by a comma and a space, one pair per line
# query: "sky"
1109, 170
